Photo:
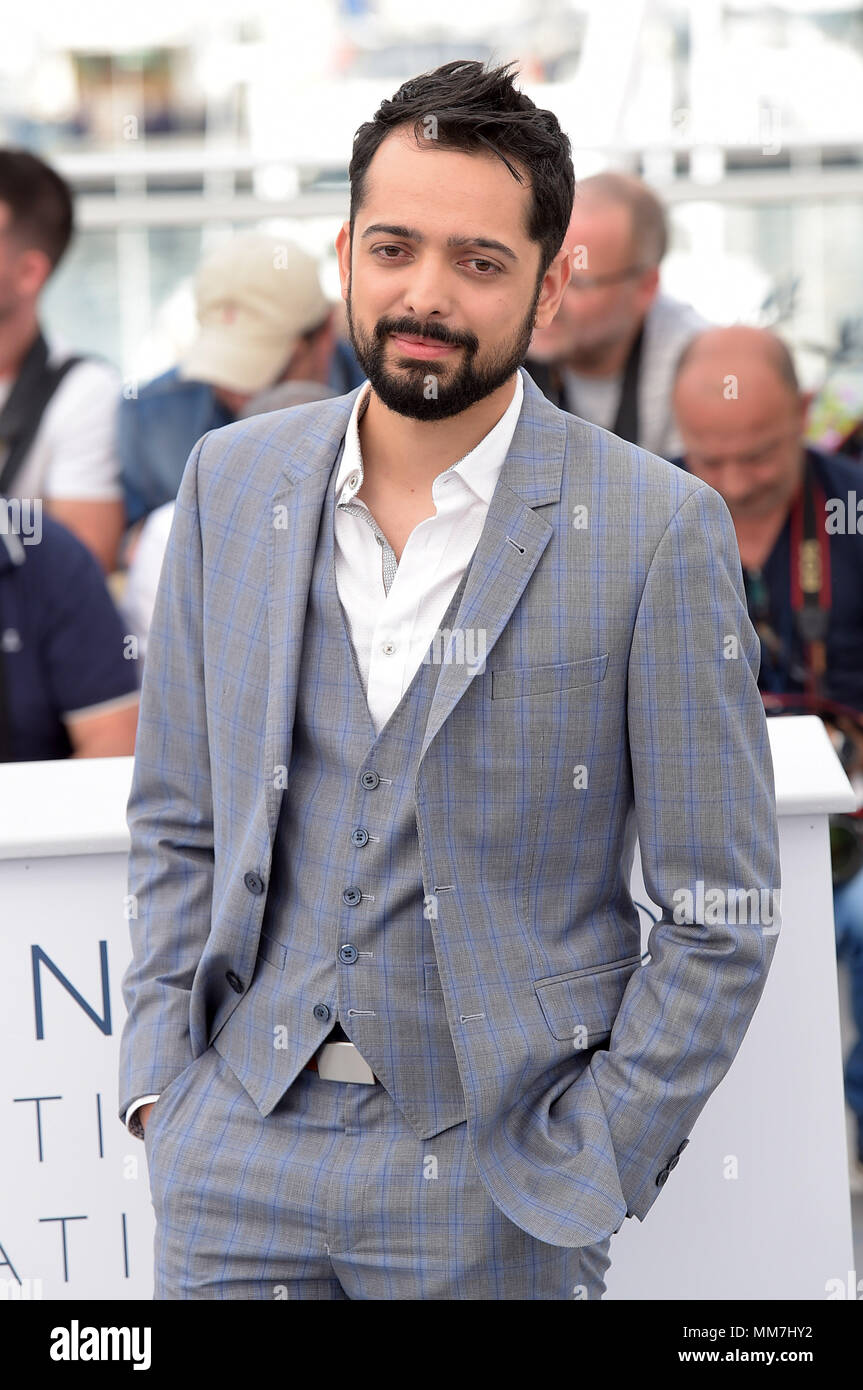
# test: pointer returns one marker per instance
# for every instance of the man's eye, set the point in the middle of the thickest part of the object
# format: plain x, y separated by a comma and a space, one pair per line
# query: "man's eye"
485, 274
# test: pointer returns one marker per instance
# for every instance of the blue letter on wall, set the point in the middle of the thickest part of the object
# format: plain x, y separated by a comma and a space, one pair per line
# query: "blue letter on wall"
38, 956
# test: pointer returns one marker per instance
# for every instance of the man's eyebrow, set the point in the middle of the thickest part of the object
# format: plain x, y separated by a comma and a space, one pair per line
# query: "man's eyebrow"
411, 234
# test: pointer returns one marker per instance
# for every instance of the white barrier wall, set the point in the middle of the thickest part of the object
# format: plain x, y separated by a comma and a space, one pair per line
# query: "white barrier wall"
758, 1206
75, 1213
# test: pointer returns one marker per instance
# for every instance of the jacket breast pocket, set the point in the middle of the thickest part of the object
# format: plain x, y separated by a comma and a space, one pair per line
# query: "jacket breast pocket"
519, 681
581, 1005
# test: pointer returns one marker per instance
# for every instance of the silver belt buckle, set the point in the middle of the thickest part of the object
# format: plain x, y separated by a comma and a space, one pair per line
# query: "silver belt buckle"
341, 1061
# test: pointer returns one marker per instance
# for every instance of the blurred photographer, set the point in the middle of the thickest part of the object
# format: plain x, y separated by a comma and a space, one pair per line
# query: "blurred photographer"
57, 409
609, 353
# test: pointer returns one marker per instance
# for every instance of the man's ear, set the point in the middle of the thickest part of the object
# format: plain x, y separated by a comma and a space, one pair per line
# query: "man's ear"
554, 285
648, 288
32, 268
343, 251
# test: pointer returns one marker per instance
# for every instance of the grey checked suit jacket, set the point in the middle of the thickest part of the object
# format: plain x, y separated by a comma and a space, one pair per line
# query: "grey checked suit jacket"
618, 697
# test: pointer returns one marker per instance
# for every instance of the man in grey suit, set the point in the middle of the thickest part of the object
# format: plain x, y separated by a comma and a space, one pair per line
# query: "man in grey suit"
424, 660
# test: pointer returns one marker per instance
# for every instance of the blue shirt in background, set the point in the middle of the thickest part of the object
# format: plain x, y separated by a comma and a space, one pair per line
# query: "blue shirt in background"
62, 640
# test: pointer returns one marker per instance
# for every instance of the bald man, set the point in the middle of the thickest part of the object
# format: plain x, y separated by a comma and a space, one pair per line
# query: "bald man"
741, 416
610, 352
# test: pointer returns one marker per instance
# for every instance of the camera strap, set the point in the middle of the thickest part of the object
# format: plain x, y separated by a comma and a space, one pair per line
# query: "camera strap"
626, 420
810, 577
5, 740
25, 405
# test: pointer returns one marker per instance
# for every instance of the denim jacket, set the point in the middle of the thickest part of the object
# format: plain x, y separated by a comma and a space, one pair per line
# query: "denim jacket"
157, 430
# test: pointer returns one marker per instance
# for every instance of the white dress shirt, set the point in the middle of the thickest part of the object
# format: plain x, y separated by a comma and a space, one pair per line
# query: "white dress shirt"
394, 610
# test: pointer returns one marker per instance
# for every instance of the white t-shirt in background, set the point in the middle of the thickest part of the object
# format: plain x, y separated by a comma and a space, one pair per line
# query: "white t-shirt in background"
593, 398
73, 453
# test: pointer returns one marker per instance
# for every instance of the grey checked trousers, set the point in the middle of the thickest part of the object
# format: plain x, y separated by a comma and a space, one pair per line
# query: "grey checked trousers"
332, 1196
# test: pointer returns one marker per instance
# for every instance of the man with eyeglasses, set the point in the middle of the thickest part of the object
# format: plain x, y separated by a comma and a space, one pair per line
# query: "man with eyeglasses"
610, 352
799, 529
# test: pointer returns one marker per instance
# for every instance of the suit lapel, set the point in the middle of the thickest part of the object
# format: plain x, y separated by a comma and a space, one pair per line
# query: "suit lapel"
292, 533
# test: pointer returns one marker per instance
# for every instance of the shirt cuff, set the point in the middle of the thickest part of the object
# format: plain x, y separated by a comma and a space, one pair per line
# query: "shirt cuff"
133, 1122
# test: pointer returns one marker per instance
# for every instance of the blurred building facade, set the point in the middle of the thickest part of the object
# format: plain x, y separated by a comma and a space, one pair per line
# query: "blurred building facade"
179, 123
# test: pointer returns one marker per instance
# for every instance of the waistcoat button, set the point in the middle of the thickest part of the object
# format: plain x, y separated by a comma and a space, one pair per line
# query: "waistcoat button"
370, 779
234, 981
351, 896
348, 953
321, 1011
254, 882
360, 836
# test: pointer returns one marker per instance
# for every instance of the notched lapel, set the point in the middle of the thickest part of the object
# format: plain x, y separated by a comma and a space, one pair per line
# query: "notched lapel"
296, 507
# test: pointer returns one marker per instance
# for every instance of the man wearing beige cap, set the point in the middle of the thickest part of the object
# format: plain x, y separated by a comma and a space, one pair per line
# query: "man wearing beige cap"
262, 318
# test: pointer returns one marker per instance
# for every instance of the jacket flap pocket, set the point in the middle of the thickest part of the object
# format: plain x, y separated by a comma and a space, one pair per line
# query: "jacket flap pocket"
273, 951
543, 680
582, 1005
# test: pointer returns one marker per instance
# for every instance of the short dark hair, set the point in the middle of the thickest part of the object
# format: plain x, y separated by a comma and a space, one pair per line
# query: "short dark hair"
40, 202
479, 109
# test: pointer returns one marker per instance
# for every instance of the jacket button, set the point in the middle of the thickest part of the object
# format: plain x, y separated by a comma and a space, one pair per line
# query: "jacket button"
351, 896
662, 1178
370, 779
360, 836
682, 1146
254, 882
673, 1162
348, 954
321, 1011
235, 982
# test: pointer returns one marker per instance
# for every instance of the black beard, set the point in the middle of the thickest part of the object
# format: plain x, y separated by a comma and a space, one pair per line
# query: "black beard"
405, 392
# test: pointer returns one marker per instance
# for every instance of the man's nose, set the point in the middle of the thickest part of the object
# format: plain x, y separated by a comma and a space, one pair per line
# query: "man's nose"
734, 482
425, 293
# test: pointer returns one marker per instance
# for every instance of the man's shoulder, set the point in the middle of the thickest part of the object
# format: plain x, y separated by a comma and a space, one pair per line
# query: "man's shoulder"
842, 481
87, 381
622, 467
837, 471
667, 309
670, 323
273, 438
168, 385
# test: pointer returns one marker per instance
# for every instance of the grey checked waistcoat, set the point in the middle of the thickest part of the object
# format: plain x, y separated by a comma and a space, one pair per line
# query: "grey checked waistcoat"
346, 933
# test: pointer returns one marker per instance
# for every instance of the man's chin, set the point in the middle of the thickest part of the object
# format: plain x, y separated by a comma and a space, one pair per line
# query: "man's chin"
411, 399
